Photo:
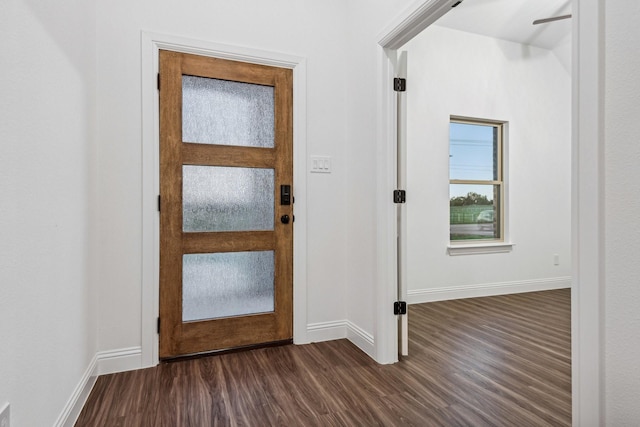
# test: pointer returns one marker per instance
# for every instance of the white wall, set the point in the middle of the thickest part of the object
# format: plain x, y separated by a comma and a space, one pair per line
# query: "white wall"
563, 51
338, 42
47, 207
457, 73
313, 30
366, 20
622, 227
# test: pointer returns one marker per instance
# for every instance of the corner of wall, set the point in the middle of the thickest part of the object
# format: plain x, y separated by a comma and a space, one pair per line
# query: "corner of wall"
102, 363
361, 339
341, 329
78, 398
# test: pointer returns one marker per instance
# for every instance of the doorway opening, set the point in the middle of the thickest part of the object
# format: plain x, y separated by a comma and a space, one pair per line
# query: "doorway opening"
488, 156
586, 174
226, 179
152, 44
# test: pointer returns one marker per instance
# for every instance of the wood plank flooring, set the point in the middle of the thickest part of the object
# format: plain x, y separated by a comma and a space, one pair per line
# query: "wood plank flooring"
496, 361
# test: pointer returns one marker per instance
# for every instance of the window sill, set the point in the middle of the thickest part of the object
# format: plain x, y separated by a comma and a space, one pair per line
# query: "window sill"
482, 248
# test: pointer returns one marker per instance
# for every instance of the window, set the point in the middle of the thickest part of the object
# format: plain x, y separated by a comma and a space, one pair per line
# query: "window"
476, 186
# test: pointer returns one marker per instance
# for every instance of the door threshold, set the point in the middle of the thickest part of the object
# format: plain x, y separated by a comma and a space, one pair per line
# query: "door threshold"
225, 351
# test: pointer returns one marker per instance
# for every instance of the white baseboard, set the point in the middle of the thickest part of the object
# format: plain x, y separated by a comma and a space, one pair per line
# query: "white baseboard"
104, 362
120, 360
361, 338
327, 331
419, 296
74, 405
339, 329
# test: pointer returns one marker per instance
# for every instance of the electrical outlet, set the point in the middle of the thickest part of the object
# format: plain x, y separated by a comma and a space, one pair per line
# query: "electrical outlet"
5, 418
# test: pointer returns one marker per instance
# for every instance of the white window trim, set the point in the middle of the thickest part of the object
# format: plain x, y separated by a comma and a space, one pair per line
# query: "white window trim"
505, 244
482, 248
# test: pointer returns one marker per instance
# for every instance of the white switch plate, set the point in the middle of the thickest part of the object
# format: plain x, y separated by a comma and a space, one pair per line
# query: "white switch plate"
5, 416
320, 164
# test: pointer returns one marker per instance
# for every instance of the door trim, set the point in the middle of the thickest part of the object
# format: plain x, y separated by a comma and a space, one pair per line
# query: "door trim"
151, 43
587, 196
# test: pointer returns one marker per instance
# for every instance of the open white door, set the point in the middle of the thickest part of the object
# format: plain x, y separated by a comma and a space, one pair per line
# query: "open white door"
401, 182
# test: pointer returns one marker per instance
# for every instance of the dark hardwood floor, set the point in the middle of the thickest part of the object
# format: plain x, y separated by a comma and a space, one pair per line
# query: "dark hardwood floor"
496, 361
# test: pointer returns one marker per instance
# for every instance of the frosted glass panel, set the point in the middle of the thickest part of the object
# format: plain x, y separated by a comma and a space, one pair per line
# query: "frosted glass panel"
227, 198
227, 284
227, 113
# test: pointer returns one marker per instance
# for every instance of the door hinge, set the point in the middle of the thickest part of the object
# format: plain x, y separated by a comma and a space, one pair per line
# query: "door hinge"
158, 203
158, 81
399, 85
158, 326
399, 307
399, 196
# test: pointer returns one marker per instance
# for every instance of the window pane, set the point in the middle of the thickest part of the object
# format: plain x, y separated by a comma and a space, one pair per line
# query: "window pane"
474, 212
473, 152
227, 198
227, 113
227, 284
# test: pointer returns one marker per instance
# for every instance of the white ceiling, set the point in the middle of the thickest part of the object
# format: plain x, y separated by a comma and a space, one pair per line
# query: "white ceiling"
512, 20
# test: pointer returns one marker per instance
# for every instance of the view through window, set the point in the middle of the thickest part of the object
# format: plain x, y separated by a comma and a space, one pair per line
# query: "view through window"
475, 180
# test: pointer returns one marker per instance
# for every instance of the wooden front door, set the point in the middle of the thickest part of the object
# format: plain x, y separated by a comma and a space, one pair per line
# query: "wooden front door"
226, 217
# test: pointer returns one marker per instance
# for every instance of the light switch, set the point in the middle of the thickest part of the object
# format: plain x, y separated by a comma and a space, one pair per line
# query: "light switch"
320, 164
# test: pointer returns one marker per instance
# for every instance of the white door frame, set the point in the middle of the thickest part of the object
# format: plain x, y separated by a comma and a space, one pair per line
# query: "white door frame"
151, 43
587, 196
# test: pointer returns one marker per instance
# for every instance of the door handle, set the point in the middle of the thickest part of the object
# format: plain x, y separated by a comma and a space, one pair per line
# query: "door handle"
284, 219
